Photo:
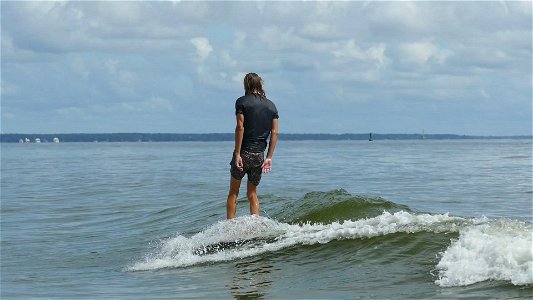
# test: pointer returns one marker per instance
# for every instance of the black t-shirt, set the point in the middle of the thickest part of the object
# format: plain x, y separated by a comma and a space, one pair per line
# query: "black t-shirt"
258, 115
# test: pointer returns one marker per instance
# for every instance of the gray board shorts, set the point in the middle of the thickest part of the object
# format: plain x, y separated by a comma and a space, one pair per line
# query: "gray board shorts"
252, 162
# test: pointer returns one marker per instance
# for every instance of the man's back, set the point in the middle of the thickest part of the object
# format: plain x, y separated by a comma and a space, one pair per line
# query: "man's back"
258, 114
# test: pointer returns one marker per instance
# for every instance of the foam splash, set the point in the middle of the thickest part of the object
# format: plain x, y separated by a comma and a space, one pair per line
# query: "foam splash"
271, 236
181, 251
499, 250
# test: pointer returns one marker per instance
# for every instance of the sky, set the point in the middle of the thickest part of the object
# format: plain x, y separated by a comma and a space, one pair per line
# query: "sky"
460, 67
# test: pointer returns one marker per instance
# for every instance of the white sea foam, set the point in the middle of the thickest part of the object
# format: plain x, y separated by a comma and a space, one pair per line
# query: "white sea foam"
498, 250
181, 251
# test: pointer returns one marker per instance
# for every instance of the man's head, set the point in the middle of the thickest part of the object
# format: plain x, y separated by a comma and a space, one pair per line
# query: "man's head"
253, 84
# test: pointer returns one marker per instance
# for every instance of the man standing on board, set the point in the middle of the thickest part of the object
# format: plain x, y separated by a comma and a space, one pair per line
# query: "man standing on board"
257, 119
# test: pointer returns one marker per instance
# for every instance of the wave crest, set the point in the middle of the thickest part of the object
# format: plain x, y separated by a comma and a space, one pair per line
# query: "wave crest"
498, 250
480, 249
335, 206
268, 235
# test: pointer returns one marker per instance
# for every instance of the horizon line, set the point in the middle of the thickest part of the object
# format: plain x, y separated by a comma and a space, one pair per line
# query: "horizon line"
280, 133
295, 135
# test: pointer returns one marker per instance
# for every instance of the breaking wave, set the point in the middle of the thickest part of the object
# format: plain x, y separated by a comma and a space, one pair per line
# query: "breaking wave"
477, 249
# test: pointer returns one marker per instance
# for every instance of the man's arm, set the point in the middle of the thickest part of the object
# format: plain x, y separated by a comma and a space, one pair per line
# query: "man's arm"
239, 133
273, 139
267, 165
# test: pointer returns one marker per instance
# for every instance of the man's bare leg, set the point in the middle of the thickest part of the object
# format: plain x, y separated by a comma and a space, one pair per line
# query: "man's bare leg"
251, 193
231, 204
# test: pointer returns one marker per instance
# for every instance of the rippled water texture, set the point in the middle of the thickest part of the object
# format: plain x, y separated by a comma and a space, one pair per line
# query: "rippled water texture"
349, 219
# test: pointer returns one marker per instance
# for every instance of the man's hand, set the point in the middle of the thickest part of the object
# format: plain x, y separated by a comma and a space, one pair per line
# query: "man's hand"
238, 162
267, 165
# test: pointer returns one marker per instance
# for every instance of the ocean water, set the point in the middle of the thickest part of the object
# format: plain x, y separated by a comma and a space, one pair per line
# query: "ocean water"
339, 219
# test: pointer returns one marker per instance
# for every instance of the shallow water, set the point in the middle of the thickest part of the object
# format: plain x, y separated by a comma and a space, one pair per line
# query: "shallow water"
348, 219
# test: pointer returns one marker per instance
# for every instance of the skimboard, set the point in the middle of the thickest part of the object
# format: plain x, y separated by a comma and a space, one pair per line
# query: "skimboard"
230, 245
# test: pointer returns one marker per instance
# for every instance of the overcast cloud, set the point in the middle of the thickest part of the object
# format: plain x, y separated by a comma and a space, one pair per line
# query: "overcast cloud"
330, 67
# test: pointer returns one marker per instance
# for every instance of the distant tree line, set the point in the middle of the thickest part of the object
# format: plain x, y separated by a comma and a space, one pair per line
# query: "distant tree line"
206, 137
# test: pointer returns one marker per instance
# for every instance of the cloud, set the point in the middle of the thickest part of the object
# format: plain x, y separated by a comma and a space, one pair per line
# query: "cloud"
323, 59
423, 52
155, 104
160, 104
318, 31
374, 54
276, 38
203, 48
8, 89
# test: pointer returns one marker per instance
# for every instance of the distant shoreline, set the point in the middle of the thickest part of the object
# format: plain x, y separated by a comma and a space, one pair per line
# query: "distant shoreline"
207, 137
